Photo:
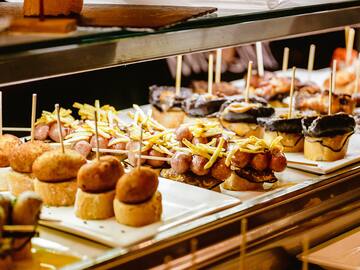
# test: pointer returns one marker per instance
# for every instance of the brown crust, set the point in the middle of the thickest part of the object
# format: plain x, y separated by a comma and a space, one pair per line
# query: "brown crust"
94, 206
237, 183
22, 157
100, 176
7, 143
137, 215
56, 194
53, 7
137, 186
55, 166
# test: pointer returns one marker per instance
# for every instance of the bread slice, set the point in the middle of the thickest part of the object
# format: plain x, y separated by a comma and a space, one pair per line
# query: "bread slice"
56, 194
19, 182
292, 142
94, 205
326, 148
53, 7
141, 214
237, 183
173, 118
244, 130
4, 172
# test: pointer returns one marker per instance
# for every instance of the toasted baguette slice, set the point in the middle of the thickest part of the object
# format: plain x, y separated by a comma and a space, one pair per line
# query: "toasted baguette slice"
244, 130
53, 7
173, 118
326, 148
94, 205
291, 142
19, 182
56, 194
141, 214
237, 183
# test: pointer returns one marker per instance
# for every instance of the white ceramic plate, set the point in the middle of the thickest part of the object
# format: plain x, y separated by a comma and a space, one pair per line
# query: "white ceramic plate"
287, 178
181, 203
352, 156
342, 252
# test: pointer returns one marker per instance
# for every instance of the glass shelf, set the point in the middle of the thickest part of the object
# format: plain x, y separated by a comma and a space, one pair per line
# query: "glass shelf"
97, 48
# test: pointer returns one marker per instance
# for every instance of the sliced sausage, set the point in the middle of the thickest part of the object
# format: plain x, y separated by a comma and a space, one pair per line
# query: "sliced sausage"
241, 159
83, 147
155, 163
260, 162
220, 171
197, 165
180, 162
278, 162
41, 132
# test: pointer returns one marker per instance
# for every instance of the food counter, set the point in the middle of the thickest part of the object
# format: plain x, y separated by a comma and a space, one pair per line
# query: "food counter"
202, 225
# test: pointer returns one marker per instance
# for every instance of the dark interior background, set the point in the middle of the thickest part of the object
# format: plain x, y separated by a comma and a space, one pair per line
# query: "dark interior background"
123, 86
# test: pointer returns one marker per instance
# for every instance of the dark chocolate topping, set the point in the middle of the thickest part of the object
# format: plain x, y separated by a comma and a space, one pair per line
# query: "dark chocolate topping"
255, 176
328, 125
251, 115
164, 98
202, 105
292, 125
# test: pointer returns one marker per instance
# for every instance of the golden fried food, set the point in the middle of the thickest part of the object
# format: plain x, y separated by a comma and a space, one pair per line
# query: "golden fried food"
100, 175
7, 144
55, 166
27, 208
137, 186
23, 156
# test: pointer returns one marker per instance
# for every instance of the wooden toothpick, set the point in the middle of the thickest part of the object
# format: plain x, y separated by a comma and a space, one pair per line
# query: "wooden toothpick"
57, 109
260, 60
33, 116
178, 75
97, 135
349, 46
285, 59
292, 86
243, 243
248, 78
140, 145
357, 74
218, 66
311, 60
332, 85
210, 74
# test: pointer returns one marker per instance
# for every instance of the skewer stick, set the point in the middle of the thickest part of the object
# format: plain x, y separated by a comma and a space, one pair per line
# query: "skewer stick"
243, 243
357, 74
260, 61
347, 29
292, 85
193, 247
97, 135
57, 108
121, 152
332, 85
349, 46
140, 146
1, 120
285, 59
248, 78
16, 129
210, 75
178, 75
310, 67
33, 116
305, 247
97, 108
218, 66
18, 228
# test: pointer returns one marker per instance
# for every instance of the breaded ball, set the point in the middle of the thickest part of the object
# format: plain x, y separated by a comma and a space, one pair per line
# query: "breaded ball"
8, 143
100, 175
23, 156
55, 166
137, 186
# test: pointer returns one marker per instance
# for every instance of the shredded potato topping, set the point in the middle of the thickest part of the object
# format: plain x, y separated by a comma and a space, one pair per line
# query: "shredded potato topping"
65, 118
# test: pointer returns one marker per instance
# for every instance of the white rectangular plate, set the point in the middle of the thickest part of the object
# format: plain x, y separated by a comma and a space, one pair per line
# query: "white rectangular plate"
181, 203
342, 252
352, 156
